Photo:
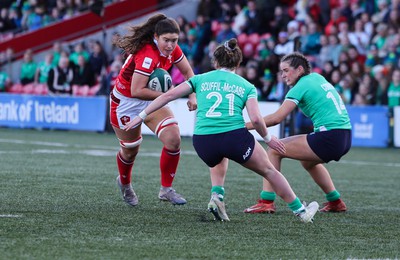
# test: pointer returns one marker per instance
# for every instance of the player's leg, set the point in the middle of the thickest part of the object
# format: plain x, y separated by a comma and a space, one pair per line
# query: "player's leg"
129, 147
165, 126
260, 164
120, 113
217, 205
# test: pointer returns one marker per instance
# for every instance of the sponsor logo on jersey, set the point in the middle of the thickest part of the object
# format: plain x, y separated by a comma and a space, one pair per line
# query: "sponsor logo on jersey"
147, 62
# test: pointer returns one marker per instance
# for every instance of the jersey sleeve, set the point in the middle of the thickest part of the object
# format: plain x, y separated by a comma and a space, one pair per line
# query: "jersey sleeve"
146, 61
295, 95
177, 54
252, 93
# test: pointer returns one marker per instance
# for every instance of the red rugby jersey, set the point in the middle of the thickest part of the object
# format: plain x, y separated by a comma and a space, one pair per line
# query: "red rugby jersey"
145, 61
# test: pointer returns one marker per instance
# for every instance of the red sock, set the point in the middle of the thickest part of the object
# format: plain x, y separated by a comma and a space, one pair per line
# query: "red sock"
168, 164
125, 169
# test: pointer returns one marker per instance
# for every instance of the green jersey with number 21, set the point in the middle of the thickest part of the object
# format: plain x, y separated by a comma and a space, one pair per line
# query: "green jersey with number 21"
221, 97
320, 101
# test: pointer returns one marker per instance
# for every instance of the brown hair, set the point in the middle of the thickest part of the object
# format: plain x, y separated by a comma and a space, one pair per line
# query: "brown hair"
228, 55
297, 59
142, 34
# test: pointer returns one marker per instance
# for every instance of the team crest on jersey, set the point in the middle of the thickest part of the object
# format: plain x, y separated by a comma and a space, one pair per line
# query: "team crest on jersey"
125, 119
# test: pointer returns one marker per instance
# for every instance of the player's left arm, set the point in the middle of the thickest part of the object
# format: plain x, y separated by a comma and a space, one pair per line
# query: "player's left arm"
186, 70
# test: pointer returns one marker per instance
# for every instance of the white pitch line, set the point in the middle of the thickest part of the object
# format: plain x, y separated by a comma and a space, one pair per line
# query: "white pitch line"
10, 216
370, 163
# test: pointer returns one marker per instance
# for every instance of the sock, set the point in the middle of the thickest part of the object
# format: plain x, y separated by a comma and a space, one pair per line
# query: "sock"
219, 190
124, 169
333, 195
168, 164
267, 196
296, 205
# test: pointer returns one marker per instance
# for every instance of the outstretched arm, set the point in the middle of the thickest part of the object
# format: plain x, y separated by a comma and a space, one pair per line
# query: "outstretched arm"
275, 118
181, 90
186, 70
259, 125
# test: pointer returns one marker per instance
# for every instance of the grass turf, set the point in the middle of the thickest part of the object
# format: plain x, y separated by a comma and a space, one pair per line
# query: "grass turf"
59, 200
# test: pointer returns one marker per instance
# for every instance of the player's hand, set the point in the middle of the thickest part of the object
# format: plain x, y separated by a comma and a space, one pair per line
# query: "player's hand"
277, 145
192, 102
134, 123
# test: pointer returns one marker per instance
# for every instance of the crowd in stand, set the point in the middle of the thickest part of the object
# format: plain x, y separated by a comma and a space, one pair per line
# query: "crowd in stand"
21, 16
354, 44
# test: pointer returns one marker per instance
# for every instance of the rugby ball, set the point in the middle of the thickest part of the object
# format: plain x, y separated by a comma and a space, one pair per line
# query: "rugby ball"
160, 80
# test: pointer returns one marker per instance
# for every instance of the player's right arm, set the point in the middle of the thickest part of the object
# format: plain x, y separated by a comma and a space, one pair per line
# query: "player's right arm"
181, 90
275, 118
259, 125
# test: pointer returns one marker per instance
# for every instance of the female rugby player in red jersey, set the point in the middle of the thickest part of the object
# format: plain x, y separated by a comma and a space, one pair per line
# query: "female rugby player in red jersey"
151, 45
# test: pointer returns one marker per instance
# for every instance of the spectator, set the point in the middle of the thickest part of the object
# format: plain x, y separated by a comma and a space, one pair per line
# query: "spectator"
394, 89
334, 49
379, 72
28, 70
83, 79
335, 19
60, 78
280, 22
310, 43
293, 30
254, 19
206, 63
324, 54
359, 38
226, 32
98, 60
203, 37
108, 81
277, 90
42, 74
78, 49
239, 20
210, 9
253, 77
382, 14
284, 46
5, 80
379, 39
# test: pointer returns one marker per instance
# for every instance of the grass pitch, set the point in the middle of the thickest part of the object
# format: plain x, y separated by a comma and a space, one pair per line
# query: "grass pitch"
59, 200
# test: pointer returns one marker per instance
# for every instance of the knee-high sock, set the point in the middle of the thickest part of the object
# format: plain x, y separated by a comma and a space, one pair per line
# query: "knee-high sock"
124, 169
168, 164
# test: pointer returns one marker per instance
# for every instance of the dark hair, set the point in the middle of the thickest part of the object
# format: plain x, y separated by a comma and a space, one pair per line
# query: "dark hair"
143, 34
228, 55
297, 59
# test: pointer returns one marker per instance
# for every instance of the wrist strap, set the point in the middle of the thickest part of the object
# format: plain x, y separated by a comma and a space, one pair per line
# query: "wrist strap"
267, 138
143, 115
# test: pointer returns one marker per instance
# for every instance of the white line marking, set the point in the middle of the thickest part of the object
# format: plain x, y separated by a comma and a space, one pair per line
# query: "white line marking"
10, 216
98, 150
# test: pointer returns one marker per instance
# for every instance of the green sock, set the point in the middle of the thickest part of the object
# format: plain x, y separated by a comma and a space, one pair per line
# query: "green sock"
219, 190
295, 205
333, 195
267, 195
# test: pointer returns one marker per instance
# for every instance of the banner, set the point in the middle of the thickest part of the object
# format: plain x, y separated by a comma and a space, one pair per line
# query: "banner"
396, 130
370, 125
53, 112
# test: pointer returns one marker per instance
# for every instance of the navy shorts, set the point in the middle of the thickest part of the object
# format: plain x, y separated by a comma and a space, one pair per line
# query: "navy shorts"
237, 145
330, 145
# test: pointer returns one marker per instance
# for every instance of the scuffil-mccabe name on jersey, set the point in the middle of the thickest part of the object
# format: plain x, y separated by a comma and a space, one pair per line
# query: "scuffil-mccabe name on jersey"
216, 86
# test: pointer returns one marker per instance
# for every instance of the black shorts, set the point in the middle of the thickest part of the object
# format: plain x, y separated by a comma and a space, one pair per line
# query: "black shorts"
330, 145
237, 145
